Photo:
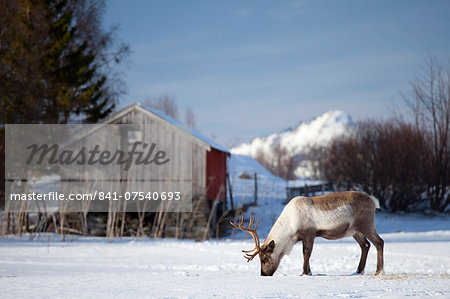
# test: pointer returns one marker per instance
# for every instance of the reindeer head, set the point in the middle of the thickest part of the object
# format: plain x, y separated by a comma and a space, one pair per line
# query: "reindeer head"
269, 263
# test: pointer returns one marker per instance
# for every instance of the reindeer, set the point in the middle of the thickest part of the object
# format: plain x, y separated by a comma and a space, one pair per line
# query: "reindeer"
332, 216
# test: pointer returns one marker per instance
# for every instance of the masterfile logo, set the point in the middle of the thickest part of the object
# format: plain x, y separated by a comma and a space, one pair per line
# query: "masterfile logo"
96, 167
94, 156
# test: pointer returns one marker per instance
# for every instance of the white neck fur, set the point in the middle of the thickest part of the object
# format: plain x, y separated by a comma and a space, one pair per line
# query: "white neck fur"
284, 231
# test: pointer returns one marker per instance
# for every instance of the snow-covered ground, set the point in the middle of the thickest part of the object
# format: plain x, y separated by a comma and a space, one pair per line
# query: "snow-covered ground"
271, 192
417, 259
417, 264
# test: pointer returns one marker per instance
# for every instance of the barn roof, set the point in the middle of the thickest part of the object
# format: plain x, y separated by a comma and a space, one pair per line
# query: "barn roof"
195, 133
172, 121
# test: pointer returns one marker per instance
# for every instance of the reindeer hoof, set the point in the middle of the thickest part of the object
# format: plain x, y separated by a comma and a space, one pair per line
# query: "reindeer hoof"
381, 272
309, 273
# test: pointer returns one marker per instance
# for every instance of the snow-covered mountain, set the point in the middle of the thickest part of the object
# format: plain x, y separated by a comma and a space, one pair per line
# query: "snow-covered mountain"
296, 141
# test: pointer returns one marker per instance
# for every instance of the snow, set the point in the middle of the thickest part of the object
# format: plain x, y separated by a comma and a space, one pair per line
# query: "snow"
304, 182
45, 184
416, 264
271, 191
297, 141
417, 259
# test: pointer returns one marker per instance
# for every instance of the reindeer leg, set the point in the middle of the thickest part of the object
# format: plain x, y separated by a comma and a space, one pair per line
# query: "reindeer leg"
367, 228
307, 249
379, 244
365, 245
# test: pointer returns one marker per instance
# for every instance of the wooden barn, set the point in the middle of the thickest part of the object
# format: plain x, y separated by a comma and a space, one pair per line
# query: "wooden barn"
209, 158
209, 171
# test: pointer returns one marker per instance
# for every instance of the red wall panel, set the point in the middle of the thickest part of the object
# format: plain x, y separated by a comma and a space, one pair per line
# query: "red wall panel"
216, 174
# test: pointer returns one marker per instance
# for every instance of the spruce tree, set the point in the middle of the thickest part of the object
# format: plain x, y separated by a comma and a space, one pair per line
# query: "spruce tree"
50, 71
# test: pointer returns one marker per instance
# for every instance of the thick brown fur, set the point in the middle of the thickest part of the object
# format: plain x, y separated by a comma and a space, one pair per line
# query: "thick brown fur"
334, 200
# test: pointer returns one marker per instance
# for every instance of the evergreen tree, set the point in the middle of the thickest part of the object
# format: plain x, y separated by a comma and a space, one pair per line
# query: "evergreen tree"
51, 71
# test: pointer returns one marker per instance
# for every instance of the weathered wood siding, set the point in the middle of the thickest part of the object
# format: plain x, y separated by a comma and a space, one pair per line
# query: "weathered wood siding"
169, 136
189, 164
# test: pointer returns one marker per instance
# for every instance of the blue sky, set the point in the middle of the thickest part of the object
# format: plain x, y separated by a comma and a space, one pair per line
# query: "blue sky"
250, 68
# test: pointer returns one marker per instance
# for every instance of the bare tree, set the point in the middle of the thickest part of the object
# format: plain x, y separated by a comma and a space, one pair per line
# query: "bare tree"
430, 104
169, 106
406, 165
381, 158
165, 104
189, 118
279, 161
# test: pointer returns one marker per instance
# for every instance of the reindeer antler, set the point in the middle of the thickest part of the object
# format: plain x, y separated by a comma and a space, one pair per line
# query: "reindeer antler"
254, 234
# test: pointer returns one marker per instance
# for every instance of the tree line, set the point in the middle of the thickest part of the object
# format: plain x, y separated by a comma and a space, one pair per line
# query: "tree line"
403, 161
